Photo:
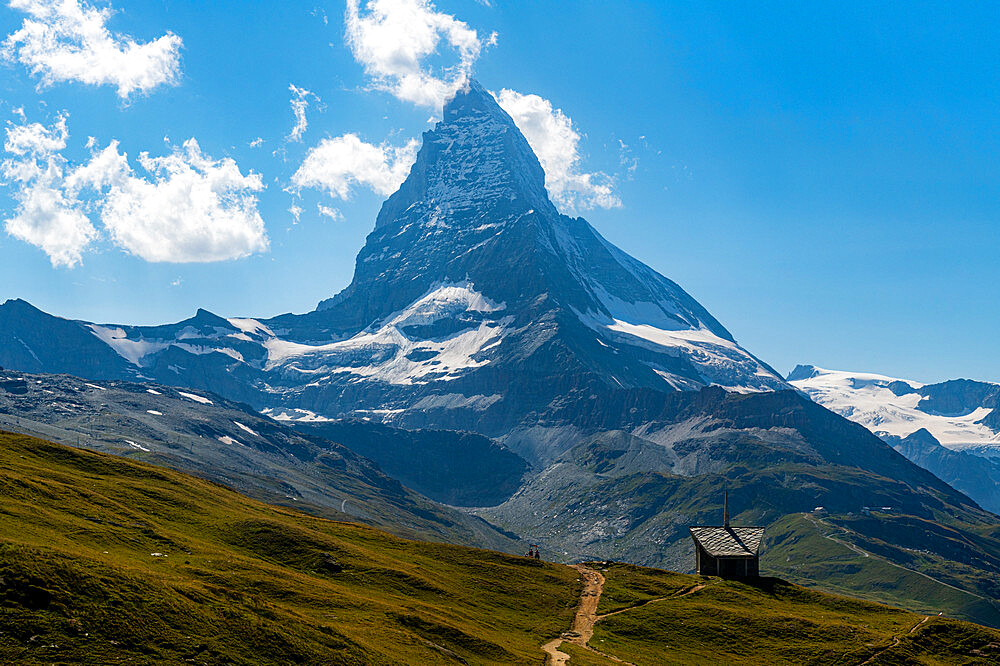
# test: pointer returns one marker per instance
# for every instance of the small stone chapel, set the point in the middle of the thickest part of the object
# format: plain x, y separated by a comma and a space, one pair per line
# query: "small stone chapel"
727, 551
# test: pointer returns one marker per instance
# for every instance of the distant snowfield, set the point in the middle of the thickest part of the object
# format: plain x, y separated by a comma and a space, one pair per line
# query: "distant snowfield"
248, 328
137, 446
293, 414
245, 428
866, 398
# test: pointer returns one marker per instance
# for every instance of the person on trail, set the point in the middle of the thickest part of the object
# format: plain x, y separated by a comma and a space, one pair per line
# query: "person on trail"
537, 555
530, 553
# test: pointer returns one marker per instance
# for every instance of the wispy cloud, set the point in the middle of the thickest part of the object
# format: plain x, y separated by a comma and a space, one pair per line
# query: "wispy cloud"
627, 158
68, 40
552, 136
394, 39
299, 102
329, 212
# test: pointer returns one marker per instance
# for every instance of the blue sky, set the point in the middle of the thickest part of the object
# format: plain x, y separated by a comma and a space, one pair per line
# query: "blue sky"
824, 179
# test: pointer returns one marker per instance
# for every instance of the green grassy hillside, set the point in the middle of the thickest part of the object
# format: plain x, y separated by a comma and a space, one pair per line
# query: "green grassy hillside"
104, 560
666, 618
824, 552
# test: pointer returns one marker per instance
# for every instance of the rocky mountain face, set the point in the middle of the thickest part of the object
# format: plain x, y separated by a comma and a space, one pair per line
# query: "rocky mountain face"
474, 305
456, 468
630, 494
976, 476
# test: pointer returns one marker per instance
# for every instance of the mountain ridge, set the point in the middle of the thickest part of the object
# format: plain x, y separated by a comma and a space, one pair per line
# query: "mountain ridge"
231, 444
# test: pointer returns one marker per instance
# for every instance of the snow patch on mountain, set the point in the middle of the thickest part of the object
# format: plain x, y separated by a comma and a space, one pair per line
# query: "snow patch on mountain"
190, 332
443, 301
246, 428
885, 406
133, 351
134, 445
719, 361
384, 352
293, 414
250, 329
196, 398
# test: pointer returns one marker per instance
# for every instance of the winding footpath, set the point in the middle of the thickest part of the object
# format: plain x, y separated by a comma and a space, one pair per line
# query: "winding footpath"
583, 623
896, 640
586, 616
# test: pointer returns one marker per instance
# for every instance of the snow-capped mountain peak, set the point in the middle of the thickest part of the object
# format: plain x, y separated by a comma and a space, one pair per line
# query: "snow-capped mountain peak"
474, 304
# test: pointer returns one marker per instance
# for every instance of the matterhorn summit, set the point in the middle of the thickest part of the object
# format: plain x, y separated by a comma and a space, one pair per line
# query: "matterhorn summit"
475, 304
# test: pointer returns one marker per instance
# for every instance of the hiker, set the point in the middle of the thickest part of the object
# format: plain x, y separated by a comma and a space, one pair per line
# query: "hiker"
530, 553
537, 555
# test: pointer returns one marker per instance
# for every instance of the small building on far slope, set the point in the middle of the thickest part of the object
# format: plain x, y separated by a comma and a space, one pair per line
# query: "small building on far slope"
726, 551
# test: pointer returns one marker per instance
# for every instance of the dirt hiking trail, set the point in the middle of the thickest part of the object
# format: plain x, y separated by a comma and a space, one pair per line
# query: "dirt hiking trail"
583, 624
586, 616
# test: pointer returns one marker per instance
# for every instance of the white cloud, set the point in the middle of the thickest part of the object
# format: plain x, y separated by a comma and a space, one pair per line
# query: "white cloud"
337, 165
299, 102
296, 212
393, 39
329, 212
555, 141
256, 143
189, 208
36, 139
46, 216
67, 40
